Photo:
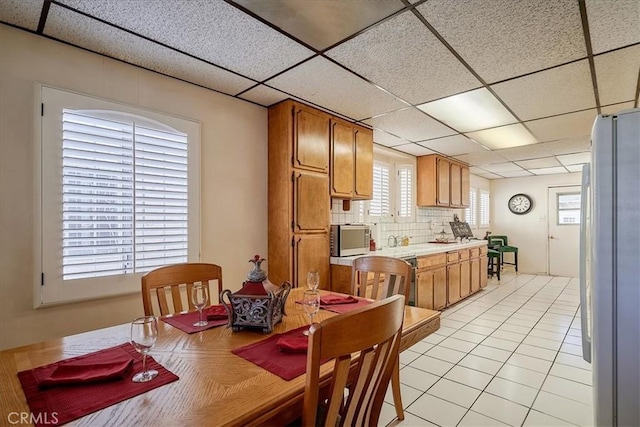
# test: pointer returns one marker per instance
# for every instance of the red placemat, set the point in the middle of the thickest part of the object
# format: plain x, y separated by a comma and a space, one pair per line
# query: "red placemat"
185, 322
267, 355
61, 404
344, 308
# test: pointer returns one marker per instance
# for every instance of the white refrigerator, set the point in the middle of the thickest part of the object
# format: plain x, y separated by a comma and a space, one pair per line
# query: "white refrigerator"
610, 268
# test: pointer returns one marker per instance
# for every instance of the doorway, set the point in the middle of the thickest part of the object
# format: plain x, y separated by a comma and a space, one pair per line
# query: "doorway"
564, 231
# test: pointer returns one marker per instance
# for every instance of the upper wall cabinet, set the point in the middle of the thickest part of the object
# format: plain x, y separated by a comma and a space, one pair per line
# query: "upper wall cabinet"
442, 182
310, 148
351, 161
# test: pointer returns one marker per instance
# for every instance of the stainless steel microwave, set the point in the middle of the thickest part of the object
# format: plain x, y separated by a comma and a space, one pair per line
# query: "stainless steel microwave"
350, 239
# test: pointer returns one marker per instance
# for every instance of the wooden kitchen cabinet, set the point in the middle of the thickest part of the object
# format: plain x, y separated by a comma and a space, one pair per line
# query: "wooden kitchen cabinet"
351, 161
465, 273
298, 186
442, 182
483, 266
475, 275
431, 282
453, 278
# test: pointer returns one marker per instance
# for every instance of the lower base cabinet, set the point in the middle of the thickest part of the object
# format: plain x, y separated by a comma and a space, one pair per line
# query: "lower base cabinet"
431, 288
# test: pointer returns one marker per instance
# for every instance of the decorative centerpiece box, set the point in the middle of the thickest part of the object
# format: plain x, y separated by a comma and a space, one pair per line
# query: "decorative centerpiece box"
259, 304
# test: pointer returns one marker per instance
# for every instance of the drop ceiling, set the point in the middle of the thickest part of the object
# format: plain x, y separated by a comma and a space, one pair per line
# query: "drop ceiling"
512, 88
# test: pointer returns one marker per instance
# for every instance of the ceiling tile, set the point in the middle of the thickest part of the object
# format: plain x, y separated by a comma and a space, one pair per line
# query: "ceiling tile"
324, 83
545, 162
567, 146
559, 90
98, 37
502, 167
502, 38
503, 137
469, 111
411, 124
564, 126
548, 171
575, 159
264, 95
415, 149
384, 138
23, 13
235, 41
615, 108
525, 152
476, 170
489, 176
613, 24
515, 174
481, 158
617, 74
404, 57
574, 168
321, 24
453, 145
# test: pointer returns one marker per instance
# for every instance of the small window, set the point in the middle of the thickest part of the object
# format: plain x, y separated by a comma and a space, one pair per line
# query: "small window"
380, 204
404, 193
484, 209
569, 208
471, 213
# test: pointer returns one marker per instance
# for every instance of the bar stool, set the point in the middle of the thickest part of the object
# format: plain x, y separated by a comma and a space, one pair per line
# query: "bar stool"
501, 244
493, 263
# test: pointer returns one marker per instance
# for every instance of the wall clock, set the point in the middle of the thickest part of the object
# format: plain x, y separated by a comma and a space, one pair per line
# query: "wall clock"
520, 204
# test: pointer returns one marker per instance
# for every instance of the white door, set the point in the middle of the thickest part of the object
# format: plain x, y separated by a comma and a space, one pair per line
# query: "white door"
564, 231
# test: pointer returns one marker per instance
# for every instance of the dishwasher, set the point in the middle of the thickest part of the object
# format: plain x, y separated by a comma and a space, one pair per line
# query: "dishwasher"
412, 284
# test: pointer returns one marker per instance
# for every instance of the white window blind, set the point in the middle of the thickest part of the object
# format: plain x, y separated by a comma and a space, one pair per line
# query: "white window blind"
471, 213
405, 193
380, 204
484, 209
120, 195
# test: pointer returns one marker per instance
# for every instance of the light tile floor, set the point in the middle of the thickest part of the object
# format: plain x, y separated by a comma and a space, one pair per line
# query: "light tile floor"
508, 355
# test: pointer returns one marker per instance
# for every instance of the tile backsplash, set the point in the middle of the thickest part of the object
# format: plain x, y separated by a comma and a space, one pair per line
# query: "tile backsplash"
429, 222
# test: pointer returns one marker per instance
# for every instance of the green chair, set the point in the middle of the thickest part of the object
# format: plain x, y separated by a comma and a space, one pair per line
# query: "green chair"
501, 244
493, 263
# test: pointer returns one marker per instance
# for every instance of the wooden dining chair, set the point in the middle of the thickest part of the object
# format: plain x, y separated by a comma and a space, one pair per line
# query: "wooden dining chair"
374, 333
379, 277
178, 279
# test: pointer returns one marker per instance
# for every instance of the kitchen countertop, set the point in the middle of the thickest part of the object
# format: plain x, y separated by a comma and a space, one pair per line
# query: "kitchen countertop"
412, 250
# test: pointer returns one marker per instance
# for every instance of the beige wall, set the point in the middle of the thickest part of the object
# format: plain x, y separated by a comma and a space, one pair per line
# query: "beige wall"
479, 183
528, 232
234, 187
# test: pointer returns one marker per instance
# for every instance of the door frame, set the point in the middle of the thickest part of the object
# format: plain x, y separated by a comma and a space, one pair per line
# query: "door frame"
551, 216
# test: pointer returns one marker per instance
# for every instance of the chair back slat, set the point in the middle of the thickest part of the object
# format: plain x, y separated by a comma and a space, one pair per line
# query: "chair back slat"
374, 337
177, 279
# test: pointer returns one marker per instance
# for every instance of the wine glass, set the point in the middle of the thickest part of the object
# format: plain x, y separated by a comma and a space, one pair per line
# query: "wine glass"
313, 280
200, 298
311, 305
144, 333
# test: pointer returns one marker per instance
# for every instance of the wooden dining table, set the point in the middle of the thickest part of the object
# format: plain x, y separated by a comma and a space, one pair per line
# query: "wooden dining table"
216, 387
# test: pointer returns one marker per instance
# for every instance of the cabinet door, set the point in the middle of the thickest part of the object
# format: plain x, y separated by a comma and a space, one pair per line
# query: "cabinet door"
439, 288
310, 252
465, 279
442, 182
363, 164
424, 289
475, 274
453, 283
464, 176
310, 202
455, 195
311, 140
483, 271
342, 179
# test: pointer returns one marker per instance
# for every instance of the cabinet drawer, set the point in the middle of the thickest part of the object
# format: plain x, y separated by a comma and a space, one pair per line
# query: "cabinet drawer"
463, 254
483, 250
452, 257
431, 260
475, 252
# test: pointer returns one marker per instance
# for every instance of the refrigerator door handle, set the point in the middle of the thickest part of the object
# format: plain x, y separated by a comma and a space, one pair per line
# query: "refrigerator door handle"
584, 321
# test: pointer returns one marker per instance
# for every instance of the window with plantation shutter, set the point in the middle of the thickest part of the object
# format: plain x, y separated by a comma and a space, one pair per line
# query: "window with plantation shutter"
120, 195
471, 213
404, 195
484, 209
380, 204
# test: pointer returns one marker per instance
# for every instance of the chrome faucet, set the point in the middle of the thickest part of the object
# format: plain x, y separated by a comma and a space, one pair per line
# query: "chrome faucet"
392, 241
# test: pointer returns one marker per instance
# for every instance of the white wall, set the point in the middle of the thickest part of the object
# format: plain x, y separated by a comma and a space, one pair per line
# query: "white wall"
528, 232
479, 183
234, 176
